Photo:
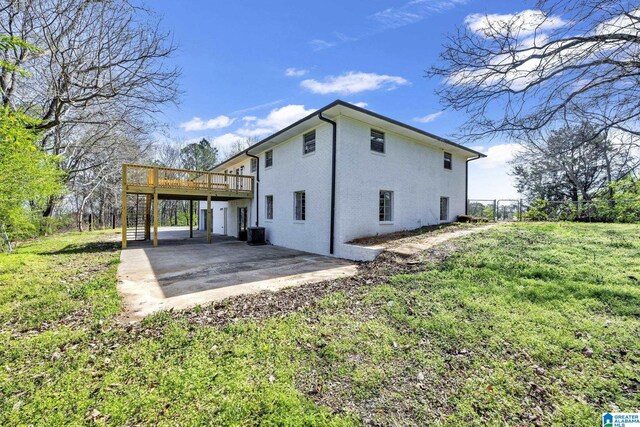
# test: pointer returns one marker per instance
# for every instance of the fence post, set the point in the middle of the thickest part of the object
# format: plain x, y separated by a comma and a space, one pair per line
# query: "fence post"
495, 209
520, 210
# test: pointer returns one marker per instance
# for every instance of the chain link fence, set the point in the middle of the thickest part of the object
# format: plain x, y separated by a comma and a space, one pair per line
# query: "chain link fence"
627, 210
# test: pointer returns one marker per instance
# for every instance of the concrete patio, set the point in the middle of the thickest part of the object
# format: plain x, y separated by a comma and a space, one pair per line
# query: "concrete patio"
183, 272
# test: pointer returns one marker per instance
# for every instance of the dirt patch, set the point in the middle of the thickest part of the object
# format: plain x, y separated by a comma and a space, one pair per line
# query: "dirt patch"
398, 238
414, 245
386, 239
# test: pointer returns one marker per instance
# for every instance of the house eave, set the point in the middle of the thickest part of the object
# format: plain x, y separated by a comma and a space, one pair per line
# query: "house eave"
340, 107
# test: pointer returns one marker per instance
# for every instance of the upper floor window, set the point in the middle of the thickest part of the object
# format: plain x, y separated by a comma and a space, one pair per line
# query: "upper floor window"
299, 205
385, 212
309, 142
268, 159
447, 160
268, 209
377, 141
254, 164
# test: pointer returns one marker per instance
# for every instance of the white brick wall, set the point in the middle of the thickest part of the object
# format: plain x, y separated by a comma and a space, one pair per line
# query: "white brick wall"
412, 170
292, 171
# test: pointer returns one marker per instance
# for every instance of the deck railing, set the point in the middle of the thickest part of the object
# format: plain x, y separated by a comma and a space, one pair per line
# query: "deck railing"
184, 179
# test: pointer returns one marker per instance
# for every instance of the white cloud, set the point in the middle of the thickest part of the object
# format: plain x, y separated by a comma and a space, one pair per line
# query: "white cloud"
360, 104
394, 17
522, 24
353, 82
197, 124
621, 24
319, 44
489, 178
224, 142
249, 118
529, 29
411, 12
277, 119
498, 155
257, 107
295, 72
429, 117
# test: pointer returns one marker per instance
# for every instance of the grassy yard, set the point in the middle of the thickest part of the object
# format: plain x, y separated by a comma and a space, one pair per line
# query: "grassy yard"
529, 324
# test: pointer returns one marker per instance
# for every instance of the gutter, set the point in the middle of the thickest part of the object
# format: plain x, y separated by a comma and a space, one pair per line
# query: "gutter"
257, 185
466, 182
333, 180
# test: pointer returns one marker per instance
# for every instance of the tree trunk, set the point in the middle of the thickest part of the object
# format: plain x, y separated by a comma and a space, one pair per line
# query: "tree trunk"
48, 209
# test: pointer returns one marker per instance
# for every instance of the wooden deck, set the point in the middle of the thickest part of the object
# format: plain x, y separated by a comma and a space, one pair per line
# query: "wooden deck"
159, 183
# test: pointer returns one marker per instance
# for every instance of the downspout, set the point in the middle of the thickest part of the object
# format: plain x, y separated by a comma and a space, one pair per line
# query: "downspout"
257, 186
333, 180
466, 184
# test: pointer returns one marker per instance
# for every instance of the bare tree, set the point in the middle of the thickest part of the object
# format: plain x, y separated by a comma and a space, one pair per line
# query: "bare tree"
518, 74
573, 163
101, 74
239, 145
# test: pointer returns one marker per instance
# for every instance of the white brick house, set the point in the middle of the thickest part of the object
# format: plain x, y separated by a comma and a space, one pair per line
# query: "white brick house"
342, 173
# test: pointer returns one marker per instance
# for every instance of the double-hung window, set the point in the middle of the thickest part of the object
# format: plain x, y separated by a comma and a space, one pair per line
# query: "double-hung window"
299, 205
377, 141
309, 142
385, 212
268, 159
447, 160
268, 208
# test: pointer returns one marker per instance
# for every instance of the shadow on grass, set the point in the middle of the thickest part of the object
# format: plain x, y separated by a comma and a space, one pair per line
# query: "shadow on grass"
85, 248
618, 302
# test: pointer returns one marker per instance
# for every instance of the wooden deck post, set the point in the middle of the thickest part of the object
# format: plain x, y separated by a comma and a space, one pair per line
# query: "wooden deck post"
209, 219
124, 206
147, 218
191, 219
155, 218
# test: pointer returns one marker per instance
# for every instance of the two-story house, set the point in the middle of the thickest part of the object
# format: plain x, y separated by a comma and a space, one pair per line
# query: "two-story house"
342, 173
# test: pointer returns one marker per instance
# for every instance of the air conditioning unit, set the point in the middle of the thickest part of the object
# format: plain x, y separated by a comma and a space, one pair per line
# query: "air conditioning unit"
256, 236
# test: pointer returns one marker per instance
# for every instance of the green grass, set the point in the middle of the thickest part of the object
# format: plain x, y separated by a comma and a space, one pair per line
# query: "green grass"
45, 281
525, 324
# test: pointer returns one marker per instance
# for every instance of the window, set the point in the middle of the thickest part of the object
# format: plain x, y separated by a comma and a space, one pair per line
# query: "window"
386, 206
309, 142
268, 208
377, 141
254, 165
299, 204
444, 208
447, 161
268, 159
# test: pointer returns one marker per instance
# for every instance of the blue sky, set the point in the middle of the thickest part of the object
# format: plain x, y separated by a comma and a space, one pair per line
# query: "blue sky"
252, 67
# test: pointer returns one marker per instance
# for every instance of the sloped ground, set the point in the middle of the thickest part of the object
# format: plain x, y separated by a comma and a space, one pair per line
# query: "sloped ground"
528, 324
